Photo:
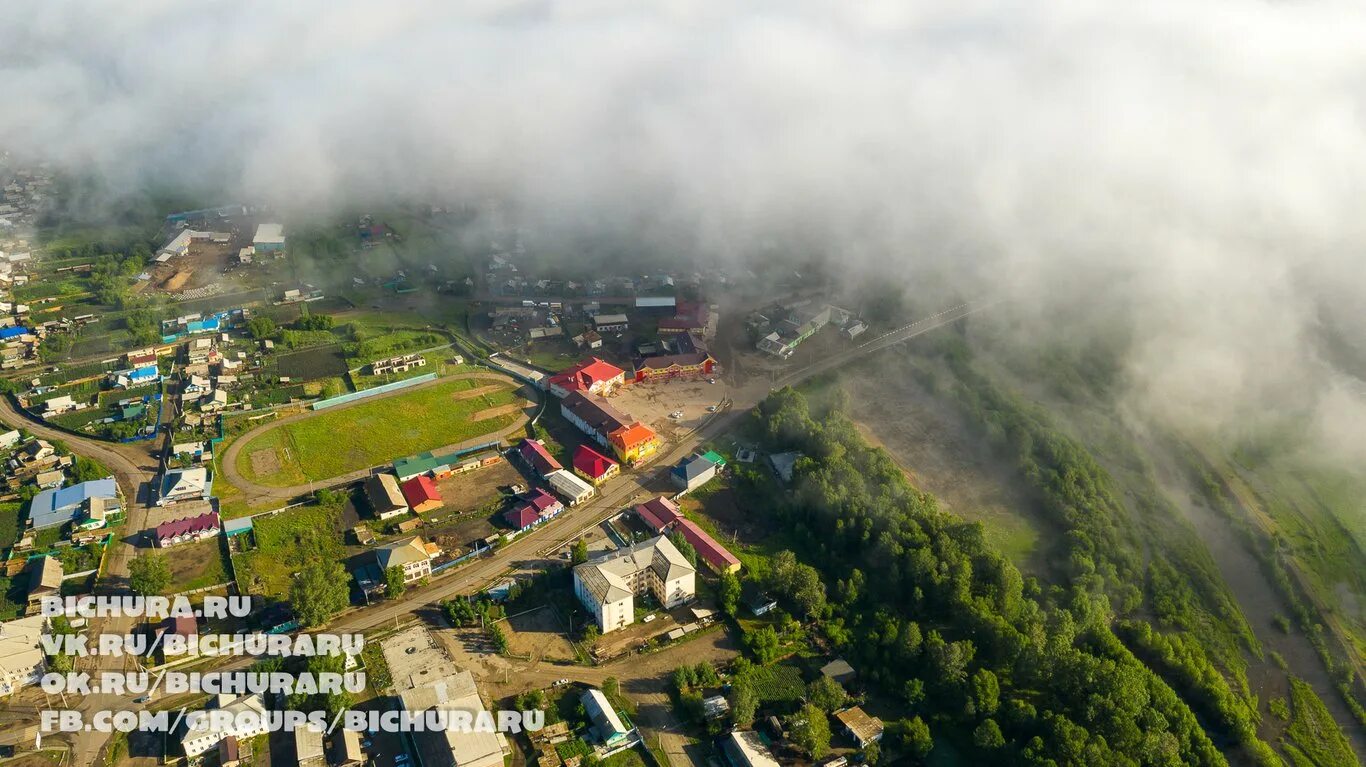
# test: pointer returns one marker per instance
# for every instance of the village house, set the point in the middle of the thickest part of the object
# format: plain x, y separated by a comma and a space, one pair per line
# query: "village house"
692, 472
532, 509
246, 719
421, 494
864, 729
410, 554
662, 515
572, 489
634, 443
22, 662
45, 580
593, 416
177, 485
537, 458
397, 364
187, 530
677, 357
54, 508
610, 323
385, 497
592, 376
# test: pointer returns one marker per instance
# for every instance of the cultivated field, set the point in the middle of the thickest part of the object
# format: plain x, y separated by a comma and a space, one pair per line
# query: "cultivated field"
334, 442
308, 364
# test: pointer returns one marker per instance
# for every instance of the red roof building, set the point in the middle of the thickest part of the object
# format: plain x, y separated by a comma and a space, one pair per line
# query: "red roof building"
537, 457
708, 550
185, 530
421, 494
593, 376
662, 515
521, 517
534, 508
659, 513
594, 466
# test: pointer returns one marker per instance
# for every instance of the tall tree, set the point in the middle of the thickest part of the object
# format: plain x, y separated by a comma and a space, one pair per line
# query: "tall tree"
149, 574
319, 592
810, 731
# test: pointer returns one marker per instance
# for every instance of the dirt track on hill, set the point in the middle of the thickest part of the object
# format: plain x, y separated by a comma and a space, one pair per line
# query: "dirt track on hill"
257, 493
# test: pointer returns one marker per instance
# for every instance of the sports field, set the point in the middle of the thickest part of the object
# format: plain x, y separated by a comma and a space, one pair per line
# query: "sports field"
331, 443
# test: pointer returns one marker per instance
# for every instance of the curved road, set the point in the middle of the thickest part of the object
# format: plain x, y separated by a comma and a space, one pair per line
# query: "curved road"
259, 492
133, 466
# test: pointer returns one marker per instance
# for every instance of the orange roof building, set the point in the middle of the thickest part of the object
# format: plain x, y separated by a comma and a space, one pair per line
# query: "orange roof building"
634, 443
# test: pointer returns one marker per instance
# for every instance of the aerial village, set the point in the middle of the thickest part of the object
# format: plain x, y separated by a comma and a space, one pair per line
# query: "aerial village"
552, 464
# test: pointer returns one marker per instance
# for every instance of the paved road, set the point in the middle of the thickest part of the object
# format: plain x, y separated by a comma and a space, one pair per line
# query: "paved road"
260, 493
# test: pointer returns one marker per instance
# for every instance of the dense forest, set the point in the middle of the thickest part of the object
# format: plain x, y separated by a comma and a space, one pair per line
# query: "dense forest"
932, 614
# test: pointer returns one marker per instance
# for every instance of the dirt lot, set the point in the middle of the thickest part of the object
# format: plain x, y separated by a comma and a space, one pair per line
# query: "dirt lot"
203, 265
539, 633
653, 403
478, 488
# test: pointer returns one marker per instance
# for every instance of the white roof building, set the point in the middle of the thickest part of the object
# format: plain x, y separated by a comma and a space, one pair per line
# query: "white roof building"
21, 656
571, 488
268, 237
247, 721
607, 586
745, 749
423, 681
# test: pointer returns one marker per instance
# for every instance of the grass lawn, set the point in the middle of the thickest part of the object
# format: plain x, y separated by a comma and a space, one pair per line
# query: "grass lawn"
285, 543
334, 442
198, 565
628, 758
9, 524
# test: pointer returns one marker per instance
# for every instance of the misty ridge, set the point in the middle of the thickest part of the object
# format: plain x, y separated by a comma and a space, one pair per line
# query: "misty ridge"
1182, 180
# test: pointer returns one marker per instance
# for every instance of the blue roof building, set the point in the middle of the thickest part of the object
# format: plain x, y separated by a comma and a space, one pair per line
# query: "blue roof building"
203, 326
54, 508
692, 473
12, 332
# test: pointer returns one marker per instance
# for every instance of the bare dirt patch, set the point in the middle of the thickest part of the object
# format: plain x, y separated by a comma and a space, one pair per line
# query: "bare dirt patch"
538, 634
178, 280
494, 412
477, 391
478, 488
265, 462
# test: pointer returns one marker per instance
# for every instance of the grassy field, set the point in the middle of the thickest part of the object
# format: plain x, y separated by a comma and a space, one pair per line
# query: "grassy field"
285, 543
1312, 740
334, 442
